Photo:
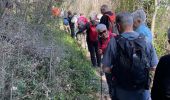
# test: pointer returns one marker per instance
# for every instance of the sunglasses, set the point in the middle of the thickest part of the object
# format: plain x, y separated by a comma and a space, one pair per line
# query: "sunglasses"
101, 33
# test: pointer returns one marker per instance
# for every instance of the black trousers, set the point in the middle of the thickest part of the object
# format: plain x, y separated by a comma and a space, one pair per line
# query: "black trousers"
93, 49
73, 34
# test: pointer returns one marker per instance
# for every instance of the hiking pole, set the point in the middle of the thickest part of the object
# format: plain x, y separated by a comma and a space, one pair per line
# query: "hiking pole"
101, 83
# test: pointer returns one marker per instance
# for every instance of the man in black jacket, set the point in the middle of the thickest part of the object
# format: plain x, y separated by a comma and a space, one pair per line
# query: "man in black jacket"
161, 84
108, 18
72, 25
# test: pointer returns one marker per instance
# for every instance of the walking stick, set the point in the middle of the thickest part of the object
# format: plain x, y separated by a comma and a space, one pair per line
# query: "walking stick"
101, 82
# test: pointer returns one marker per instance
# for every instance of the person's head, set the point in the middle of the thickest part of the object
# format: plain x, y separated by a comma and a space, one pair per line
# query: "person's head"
69, 14
93, 19
124, 22
104, 9
169, 35
102, 31
139, 17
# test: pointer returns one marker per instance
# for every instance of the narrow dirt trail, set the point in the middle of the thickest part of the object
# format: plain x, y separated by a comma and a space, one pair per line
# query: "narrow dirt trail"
105, 89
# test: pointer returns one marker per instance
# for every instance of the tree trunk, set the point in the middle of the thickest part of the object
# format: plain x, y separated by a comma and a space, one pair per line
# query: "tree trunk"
154, 18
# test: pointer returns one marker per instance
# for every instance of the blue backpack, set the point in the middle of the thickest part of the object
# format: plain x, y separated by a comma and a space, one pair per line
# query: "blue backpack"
132, 65
65, 21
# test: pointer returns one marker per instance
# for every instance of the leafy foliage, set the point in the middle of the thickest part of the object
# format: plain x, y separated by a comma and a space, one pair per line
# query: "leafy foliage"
40, 62
160, 46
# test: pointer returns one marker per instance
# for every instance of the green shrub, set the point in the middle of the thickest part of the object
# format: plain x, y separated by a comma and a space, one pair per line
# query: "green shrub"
160, 44
82, 78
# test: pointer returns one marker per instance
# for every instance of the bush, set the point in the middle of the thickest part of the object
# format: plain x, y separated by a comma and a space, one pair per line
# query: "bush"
82, 79
160, 43
40, 62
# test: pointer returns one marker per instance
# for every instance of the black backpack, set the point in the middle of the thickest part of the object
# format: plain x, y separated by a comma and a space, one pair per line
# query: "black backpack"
132, 67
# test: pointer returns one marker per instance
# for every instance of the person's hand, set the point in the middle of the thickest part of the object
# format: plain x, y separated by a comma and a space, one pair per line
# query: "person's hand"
100, 51
106, 69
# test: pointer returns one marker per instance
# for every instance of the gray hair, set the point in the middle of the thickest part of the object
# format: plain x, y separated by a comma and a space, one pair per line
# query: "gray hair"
169, 33
93, 16
139, 14
101, 27
124, 18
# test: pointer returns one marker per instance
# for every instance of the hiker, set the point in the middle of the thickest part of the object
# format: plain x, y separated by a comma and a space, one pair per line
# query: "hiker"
66, 23
161, 83
74, 20
82, 20
108, 19
104, 39
71, 24
139, 17
92, 40
131, 59
55, 11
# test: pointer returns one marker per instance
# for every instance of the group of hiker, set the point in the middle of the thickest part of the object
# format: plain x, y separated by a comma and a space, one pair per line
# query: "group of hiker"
73, 21
122, 44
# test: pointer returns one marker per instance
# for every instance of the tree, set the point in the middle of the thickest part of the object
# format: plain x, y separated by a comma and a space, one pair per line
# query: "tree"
156, 7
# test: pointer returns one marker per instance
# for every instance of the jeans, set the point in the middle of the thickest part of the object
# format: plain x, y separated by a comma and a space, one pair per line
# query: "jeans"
122, 94
93, 49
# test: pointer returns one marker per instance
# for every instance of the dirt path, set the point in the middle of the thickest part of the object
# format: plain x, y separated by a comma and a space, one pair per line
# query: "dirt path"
105, 90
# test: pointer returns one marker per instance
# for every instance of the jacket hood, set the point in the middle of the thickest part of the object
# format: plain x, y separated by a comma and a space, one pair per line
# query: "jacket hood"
130, 35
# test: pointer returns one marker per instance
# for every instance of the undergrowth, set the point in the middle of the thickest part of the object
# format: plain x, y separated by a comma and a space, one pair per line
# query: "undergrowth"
160, 44
42, 62
82, 79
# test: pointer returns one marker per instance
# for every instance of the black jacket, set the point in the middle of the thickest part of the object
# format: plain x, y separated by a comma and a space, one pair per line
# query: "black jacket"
161, 84
105, 19
72, 26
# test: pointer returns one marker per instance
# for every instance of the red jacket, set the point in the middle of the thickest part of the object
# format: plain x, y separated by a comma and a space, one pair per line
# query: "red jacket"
55, 11
103, 43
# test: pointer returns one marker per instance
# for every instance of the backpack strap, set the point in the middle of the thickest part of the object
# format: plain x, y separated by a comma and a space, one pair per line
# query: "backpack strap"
120, 40
141, 41
111, 18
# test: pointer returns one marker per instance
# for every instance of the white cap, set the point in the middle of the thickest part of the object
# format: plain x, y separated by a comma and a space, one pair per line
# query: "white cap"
101, 27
